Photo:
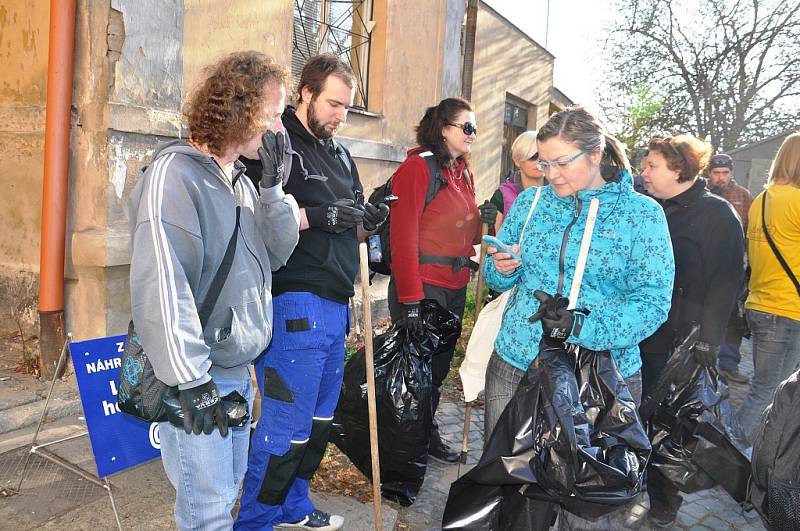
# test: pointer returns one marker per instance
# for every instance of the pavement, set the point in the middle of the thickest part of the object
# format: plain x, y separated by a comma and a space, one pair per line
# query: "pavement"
54, 498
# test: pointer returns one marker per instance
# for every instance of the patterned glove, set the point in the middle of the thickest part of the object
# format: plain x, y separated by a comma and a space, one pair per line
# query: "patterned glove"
202, 408
336, 217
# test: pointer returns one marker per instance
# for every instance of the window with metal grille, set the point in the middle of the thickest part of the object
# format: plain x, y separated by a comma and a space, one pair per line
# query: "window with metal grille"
341, 27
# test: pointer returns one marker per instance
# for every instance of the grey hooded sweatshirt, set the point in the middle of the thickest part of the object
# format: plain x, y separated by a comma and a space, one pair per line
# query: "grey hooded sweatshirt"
182, 215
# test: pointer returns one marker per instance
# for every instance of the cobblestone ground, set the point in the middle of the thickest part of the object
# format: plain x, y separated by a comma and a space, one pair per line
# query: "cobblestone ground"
713, 509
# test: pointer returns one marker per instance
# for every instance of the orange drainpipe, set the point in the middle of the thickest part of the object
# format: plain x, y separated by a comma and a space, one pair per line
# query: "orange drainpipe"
55, 190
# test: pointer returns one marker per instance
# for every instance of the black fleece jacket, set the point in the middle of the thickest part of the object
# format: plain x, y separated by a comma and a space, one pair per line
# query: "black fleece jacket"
323, 171
708, 244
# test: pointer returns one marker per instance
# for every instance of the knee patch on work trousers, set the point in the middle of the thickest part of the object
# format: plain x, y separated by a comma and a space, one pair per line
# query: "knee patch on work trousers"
280, 474
315, 449
302, 460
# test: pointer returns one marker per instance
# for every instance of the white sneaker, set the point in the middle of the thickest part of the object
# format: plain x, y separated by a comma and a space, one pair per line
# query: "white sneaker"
316, 520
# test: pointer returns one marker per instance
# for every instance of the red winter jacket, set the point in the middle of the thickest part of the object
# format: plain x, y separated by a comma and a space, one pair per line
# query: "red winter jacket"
448, 226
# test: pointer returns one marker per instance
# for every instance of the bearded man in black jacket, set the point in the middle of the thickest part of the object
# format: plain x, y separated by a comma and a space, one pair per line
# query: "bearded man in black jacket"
300, 374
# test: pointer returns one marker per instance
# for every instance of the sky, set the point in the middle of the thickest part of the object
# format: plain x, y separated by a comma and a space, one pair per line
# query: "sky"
575, 36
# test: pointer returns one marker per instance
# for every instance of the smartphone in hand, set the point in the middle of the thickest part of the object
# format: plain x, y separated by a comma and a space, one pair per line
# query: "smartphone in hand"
501, 247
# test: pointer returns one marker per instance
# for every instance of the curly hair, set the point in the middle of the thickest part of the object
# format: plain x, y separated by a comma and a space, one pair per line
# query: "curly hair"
684, 154
227, 107
436, 118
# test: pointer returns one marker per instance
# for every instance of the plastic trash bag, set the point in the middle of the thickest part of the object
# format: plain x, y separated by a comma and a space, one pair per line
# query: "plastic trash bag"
775, 485
403, 401
692, 428
570, 436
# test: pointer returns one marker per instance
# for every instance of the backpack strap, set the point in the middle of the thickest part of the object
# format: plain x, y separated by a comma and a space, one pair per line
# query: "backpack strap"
436, 181
774, 247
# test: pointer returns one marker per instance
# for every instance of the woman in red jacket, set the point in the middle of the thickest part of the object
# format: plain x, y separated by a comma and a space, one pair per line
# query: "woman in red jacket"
431, 245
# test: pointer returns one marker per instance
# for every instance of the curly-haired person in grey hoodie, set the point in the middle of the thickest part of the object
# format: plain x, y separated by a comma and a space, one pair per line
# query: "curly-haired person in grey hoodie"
190, 203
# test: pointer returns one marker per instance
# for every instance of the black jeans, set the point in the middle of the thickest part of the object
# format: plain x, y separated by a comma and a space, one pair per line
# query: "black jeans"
450, 299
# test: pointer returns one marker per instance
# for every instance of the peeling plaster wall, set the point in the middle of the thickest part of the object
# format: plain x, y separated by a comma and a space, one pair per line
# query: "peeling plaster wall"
128, 94
23, 78
506, 62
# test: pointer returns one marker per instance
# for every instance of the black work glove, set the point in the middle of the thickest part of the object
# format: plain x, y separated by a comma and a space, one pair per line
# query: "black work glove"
202, 408
488, 213
273, 153
557, 321
705, 354
375, 215
413, 318
336, 217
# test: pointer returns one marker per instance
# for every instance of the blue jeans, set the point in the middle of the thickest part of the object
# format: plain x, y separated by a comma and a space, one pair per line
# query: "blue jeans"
300, 377
207, 470
776, 355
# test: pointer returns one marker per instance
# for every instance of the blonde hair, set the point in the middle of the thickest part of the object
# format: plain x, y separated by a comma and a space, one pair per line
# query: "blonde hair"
785, 168
524, 147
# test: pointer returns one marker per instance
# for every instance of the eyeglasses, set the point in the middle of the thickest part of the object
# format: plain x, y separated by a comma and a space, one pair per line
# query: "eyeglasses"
544, 165
469, 128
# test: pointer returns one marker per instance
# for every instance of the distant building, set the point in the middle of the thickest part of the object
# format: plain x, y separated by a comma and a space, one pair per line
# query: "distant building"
752, 161
512, 91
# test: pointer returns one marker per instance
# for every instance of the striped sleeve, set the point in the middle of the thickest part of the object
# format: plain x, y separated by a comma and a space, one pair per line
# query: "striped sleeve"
164, 257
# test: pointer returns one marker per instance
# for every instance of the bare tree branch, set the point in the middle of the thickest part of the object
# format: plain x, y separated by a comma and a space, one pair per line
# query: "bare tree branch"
727, 68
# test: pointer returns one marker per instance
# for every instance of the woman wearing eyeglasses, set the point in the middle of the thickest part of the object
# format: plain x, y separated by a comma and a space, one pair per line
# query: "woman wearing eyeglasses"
627, 282
432, 239
525, 157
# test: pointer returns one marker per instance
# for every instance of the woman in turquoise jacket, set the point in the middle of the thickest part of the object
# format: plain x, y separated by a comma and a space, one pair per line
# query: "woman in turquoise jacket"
626, 288
627, 283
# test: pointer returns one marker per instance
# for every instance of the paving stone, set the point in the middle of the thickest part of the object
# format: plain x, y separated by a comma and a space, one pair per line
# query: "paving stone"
693, 509
715, 523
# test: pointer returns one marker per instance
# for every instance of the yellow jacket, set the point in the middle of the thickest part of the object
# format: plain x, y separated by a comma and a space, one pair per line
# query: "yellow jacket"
771, 290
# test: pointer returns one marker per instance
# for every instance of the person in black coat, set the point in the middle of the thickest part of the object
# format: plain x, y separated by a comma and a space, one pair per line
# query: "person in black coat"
708, 245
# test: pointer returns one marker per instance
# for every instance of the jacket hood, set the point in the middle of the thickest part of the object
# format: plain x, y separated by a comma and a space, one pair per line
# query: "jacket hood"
183, 148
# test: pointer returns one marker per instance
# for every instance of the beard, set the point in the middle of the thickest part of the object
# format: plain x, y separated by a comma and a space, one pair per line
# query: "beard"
318, 129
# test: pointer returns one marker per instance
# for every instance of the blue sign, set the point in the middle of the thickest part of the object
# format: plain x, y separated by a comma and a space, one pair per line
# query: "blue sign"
119, 441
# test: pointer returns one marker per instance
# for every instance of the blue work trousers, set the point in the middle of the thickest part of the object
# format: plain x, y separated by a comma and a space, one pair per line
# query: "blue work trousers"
300, 376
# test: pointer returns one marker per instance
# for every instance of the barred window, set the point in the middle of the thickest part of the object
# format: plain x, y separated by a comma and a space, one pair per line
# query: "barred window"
341, 27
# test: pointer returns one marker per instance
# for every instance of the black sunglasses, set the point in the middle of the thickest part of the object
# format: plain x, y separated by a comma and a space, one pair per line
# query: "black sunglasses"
469, 128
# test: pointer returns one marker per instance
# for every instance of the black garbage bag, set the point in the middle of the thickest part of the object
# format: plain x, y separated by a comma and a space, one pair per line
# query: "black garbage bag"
403, 401
775, 486
570, 436
695, 443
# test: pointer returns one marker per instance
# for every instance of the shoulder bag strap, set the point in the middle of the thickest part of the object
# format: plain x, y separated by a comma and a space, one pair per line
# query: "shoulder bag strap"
530, 213
583, 254
774, 247
222, 273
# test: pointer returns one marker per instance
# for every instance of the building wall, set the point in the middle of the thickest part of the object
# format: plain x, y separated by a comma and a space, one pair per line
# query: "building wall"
23, 78
135, 61
507, 62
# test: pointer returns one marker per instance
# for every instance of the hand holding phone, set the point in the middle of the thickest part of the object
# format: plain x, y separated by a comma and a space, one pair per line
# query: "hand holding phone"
501, 247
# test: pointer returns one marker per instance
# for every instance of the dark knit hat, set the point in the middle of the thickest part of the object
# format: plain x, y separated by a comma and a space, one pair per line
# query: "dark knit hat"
720, 161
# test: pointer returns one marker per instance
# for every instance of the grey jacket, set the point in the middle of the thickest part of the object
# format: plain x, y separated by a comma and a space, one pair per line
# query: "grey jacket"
182, 214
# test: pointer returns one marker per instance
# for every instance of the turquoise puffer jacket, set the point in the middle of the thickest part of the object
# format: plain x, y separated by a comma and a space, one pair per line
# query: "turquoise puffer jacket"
627, 283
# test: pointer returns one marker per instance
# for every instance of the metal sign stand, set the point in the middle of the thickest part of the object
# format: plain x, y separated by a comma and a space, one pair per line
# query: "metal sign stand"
42, 451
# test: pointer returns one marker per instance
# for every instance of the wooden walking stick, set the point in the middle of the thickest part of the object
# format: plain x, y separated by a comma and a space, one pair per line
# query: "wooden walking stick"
368, 357
478, 308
